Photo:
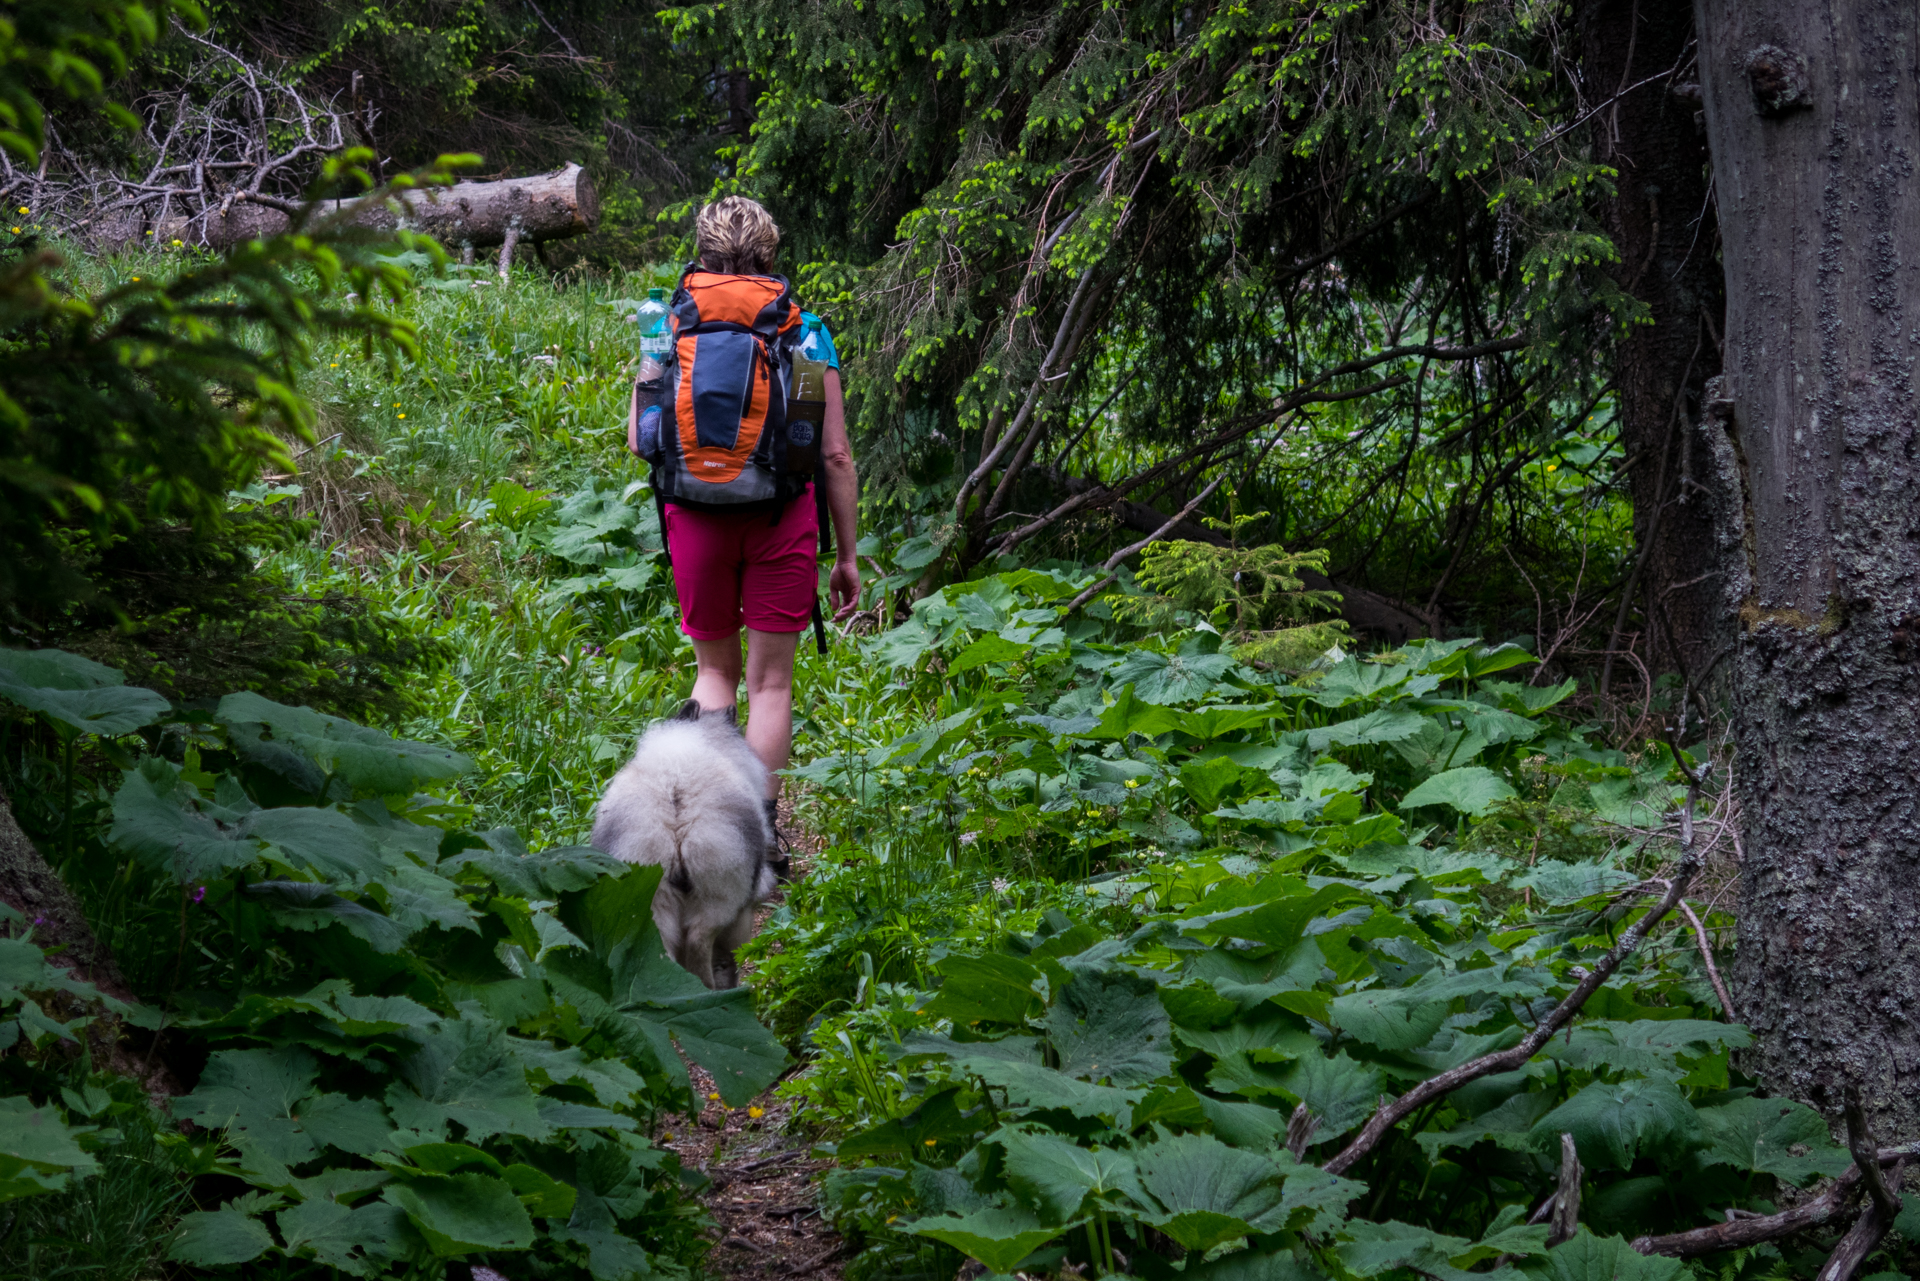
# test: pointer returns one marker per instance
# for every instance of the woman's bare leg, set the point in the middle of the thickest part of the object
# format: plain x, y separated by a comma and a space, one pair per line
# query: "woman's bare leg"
718, 682
770, 700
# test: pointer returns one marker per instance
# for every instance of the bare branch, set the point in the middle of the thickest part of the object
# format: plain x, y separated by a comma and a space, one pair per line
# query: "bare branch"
1113, 561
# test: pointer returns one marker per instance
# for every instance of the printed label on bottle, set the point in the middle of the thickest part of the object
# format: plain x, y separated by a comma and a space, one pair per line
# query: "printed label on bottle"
799, 432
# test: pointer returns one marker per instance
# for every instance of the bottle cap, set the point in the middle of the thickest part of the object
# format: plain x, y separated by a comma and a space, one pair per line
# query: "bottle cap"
656, 295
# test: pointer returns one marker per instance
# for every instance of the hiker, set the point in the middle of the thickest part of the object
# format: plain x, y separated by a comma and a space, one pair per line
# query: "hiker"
744, 477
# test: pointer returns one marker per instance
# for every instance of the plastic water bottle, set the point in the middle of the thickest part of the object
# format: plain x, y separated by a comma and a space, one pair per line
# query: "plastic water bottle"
807, 399
656, 338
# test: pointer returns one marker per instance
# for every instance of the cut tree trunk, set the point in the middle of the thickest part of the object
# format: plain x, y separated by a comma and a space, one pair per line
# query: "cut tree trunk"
548, 206
1661, 219
1815, 139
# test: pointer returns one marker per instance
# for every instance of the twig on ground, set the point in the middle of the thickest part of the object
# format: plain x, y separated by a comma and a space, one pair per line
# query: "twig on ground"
728, 1175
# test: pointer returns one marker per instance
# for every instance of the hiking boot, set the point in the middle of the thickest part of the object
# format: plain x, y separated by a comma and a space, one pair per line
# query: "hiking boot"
778, 858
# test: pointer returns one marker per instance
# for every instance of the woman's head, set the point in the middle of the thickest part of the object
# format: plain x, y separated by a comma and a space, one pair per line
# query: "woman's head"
736, 236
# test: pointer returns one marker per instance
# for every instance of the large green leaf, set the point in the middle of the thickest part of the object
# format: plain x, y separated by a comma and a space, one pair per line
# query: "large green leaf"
465, 1073
1055, 1176
220, 1238
992, 987
1472, 789
38, 1152
1109, 1024
360, 1242
1614, 1122
1646, 1046
367, 759
1772, 1136
1030, 1086
1338, 1091
1590, 1258
1405, 1018
997, 1237
627, 974
1167, 679
1208, 1193
252, 1095
1382, 725
76, 692
465, 1214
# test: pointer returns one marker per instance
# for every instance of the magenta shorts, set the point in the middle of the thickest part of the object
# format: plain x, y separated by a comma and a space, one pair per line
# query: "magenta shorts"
741, 570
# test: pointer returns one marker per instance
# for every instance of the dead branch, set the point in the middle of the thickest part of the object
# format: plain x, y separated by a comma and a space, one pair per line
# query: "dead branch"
1867, 1232
1113, 561
1736, 1233
1706, 955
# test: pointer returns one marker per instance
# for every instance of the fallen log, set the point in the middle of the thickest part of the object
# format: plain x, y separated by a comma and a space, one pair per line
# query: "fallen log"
548, 206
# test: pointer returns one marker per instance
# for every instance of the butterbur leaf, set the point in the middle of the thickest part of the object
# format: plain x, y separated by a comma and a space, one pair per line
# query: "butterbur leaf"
307, 905
252, 1094
1613, 1122
1055, 1176
1561, 884
360, 1242
1773, 1136
219, 1238
465, 1073
1383, 725
76, 692
465, 1214
1209, 1193
611, 1256
37, 1150
1472, 789
1374, 1248
1109, 1025
359, 1126
1590, 1258
1510, 1125
1030, 1086
367, 759
992, 988
1340, 1092
997, 1237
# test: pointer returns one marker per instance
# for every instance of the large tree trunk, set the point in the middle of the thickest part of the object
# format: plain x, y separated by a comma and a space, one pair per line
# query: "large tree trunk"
1661, 218
548, 206
1811, 114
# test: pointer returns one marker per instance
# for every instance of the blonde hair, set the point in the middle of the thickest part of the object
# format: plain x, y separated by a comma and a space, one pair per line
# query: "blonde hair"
736, 236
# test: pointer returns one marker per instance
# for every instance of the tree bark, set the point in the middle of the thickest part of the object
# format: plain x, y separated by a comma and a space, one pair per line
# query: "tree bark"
548, 206
1810, 109
1661, 219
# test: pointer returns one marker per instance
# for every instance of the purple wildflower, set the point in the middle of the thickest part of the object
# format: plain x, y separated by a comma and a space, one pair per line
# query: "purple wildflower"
200, 894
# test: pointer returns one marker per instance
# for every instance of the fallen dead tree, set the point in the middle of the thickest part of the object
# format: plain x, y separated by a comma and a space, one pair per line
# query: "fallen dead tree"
228, 156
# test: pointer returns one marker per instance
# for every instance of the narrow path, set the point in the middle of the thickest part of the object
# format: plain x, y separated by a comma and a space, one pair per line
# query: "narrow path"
765, 1195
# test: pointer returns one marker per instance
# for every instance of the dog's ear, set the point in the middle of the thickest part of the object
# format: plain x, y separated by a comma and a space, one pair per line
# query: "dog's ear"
689, 711
733, 714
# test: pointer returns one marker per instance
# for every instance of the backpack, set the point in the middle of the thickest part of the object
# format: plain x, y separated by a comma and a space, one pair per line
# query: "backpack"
717, 437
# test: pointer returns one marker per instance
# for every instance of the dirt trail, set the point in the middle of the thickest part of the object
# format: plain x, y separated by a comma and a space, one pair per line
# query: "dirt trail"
765, 1195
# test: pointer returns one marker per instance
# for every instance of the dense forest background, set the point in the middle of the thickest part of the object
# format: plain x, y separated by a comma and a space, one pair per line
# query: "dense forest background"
1367, 749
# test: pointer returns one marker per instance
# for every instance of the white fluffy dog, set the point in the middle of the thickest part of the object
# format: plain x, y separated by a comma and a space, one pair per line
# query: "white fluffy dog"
692, 801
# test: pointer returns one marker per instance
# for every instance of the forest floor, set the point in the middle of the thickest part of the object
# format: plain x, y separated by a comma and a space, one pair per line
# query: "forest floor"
765, 1195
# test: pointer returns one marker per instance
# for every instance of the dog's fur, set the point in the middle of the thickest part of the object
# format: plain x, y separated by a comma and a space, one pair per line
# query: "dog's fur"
691, 801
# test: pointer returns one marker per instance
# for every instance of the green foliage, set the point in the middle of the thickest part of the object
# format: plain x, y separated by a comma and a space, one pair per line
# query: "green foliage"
421, 1041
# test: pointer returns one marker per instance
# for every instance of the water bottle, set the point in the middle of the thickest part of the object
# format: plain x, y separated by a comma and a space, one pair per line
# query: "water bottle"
807, 398
656, 338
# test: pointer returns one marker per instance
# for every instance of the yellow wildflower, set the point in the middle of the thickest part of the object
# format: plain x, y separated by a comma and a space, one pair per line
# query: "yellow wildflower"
178, 243
403, 415
756, 1113
931, 1142
23, 209
713, 1096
